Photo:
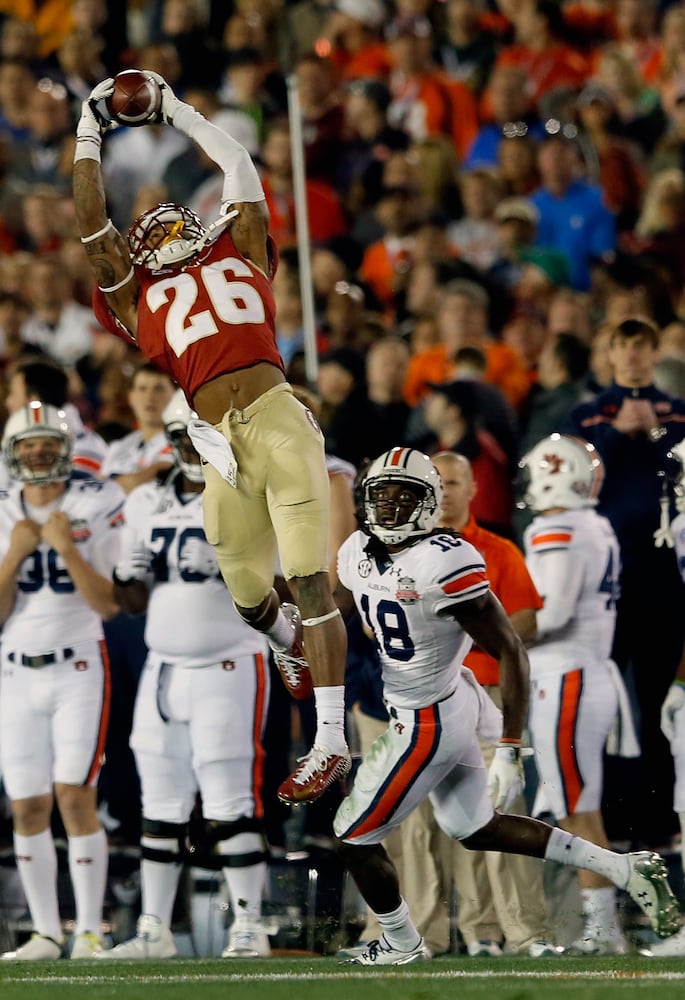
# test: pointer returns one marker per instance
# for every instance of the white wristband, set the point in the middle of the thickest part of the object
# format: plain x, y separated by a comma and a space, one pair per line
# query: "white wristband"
119, 284
87, 148
100, 232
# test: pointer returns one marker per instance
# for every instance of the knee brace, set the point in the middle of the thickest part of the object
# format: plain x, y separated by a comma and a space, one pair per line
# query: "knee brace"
237, 843
163, 842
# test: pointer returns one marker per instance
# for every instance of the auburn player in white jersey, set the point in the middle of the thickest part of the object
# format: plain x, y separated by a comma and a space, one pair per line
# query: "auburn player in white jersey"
576, 690
58, 545
425, 595
673, 712
44, 380
200, 707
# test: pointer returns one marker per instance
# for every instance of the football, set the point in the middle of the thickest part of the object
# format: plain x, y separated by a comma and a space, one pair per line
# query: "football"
136, 98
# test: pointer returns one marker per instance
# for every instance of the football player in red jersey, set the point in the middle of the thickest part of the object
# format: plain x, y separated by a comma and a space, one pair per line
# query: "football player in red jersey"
198, 303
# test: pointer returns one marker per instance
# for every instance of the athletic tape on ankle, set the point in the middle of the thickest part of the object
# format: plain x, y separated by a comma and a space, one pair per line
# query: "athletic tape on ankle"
321, 619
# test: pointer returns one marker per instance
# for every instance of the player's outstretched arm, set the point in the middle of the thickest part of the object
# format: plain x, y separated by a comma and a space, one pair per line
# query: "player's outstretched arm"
106, 248
242, 190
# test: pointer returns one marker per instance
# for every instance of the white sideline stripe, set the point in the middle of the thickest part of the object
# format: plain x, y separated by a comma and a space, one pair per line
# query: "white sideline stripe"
405, 974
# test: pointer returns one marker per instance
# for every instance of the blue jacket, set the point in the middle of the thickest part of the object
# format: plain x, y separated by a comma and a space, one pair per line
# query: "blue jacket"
577, 224
635, 467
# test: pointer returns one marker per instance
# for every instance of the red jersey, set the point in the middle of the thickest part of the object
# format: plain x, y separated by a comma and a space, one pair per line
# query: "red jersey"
214, 315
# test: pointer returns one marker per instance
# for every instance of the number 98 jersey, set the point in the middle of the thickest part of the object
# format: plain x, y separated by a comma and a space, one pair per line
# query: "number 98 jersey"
404, 602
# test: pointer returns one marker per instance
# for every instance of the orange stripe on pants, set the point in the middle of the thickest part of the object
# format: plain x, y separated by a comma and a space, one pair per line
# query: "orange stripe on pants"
569, 703
99, 756
427, 731
258, 764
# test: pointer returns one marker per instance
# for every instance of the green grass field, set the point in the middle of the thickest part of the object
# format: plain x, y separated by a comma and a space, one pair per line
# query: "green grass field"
326, 979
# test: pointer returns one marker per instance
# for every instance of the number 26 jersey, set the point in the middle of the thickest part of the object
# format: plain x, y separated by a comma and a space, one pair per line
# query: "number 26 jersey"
199, 321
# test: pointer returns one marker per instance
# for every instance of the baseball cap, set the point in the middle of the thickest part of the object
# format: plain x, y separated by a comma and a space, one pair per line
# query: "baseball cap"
595, 93
552, 263
517, 208
460, 393
368, 12
408, 24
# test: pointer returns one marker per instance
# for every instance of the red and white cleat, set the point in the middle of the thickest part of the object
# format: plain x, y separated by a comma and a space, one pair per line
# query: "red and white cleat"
292, 665
318, 770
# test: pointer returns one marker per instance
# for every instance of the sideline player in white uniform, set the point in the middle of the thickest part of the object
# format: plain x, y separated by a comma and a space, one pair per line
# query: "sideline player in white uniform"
200, 708
58, 545
46, 381
140, 456
574, 559
673, 714
425, 595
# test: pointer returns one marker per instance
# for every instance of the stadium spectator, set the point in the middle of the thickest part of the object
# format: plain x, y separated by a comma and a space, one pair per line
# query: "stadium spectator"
633, 426
572, 217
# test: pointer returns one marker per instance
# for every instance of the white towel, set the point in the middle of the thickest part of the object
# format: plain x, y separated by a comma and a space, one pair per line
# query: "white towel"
214, 448
622, 740
489, 716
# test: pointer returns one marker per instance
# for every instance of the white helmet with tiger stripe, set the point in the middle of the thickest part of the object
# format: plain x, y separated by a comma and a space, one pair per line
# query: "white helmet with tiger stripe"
38, 420
560, 471
399, 519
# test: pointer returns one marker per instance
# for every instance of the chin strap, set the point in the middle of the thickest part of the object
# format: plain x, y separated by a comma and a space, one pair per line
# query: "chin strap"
177, 250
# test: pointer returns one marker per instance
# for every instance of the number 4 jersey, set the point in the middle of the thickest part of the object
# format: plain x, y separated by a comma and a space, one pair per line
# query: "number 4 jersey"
214, 315
404, 601
574, 560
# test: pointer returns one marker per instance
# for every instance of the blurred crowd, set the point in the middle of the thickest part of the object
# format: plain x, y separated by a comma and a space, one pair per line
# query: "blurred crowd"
492, 189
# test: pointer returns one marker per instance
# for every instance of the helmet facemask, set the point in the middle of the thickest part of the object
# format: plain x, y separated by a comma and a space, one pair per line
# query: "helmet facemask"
187, 458
164, 236
398, 515
41, 466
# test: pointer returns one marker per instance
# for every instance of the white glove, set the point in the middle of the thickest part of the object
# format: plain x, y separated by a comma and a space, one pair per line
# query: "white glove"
135, 565
95, 118
673, 703
505, 777
198, 556
170, 103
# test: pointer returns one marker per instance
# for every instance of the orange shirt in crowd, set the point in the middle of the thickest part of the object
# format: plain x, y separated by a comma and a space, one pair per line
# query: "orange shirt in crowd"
436, 105
371, 60
383, 264
504, 369
325, 215
555, 67
52, 19
510, 582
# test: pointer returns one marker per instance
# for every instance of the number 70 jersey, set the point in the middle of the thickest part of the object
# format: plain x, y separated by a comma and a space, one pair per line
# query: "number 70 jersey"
204, 319
404, 600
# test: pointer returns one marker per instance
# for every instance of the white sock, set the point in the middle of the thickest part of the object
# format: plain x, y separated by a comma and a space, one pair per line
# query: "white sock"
599, 910
398, 929
245, 885
569, 850
88, 857
281, 634
37, 865
159, 879
330, 716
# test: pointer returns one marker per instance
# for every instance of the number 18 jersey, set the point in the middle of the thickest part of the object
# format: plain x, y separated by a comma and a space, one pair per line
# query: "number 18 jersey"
403, 601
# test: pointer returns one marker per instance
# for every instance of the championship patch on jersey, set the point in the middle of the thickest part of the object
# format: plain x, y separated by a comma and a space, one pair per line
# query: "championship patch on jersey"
406, 591
117, 519
80, 531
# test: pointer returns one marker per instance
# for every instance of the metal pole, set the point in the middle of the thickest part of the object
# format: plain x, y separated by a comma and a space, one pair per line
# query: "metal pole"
302, 221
